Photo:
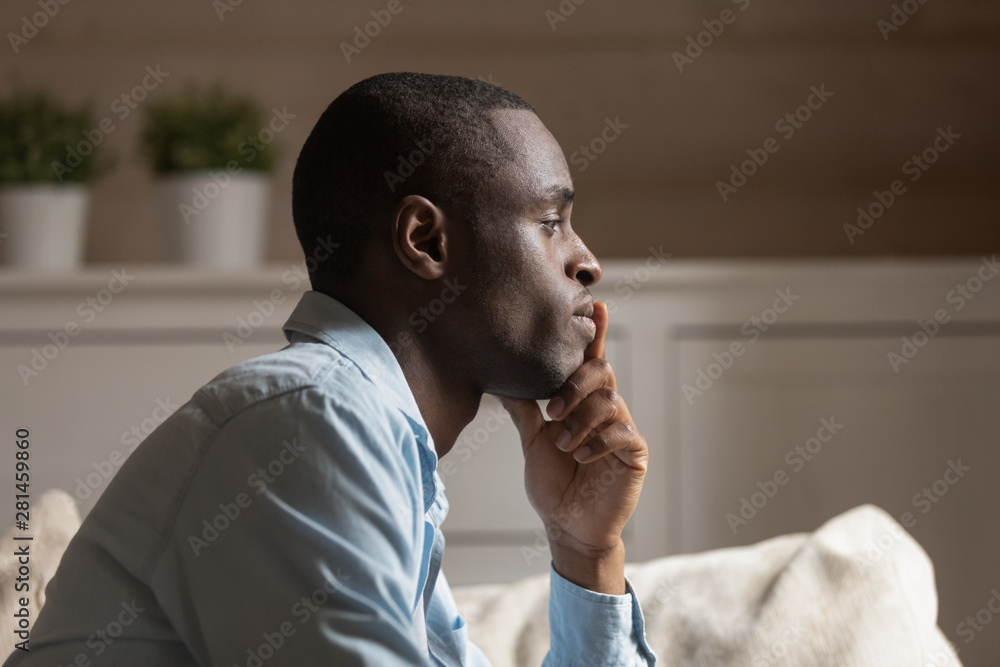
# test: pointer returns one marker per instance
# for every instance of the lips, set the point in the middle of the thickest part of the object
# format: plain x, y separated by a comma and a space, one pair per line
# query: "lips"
585, 310
584, 317
587, 325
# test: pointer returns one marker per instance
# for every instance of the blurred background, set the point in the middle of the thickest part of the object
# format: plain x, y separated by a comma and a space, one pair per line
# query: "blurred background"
724, 153
603, 60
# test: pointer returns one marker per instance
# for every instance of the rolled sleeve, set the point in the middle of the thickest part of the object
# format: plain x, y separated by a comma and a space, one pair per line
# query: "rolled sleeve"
595, 629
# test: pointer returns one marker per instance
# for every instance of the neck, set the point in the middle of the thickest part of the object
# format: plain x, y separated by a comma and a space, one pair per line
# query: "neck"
448, 402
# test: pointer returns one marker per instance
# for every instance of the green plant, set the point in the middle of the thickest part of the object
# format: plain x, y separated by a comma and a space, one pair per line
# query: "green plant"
41, 138
205, 130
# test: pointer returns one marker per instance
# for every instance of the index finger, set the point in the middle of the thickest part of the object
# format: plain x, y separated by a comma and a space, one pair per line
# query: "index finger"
595, 349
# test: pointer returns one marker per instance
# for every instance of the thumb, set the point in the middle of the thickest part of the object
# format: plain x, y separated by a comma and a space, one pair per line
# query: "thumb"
527, 417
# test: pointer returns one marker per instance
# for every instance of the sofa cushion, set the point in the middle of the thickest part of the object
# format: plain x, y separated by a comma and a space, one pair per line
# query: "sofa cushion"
859, 591
53, 520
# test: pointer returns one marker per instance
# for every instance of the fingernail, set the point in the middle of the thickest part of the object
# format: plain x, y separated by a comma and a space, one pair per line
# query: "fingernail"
556, 406
563, 441
581, 453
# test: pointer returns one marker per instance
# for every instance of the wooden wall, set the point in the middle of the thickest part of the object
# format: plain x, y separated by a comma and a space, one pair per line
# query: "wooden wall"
656, 183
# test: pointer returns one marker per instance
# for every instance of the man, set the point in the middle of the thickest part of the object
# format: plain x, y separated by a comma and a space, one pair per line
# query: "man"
289, 513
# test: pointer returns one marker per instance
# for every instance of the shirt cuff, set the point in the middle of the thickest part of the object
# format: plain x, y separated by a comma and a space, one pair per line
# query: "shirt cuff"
590, 628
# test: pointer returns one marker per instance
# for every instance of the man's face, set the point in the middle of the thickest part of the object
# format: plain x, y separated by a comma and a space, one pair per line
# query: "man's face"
532, 272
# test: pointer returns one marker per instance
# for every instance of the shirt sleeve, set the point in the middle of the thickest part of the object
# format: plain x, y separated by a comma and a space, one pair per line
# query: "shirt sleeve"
595, 629
297, 542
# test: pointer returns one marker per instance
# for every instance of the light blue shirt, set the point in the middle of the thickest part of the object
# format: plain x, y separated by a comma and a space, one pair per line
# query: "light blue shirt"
289, 514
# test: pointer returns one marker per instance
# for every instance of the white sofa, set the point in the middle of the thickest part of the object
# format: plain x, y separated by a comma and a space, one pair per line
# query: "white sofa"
859, 591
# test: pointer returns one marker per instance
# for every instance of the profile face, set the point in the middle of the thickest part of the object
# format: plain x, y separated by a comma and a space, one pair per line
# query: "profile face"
532, 271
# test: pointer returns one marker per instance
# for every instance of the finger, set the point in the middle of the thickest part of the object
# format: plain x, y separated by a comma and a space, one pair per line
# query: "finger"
595, 348
621, 440
588, 378
602, 405
526, 415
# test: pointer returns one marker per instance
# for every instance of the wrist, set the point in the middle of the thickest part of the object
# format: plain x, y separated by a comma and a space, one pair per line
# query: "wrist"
601, 571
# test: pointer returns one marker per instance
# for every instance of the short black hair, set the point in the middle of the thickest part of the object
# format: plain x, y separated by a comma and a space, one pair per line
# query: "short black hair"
386, 137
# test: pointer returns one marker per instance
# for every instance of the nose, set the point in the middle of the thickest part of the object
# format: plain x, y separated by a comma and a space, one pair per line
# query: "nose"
583, 266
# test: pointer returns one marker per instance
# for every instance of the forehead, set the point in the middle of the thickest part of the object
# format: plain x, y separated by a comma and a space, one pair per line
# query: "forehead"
539, 175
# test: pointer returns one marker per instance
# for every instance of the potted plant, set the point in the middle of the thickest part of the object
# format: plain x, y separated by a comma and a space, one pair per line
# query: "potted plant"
210, 152
48, 157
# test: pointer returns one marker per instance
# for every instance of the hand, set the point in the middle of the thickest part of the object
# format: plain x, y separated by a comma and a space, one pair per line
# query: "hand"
585, 489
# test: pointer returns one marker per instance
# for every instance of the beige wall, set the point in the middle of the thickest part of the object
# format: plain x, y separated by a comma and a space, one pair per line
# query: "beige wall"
656, 183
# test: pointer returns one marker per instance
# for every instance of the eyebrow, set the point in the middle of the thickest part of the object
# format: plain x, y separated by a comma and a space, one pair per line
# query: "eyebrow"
557, 194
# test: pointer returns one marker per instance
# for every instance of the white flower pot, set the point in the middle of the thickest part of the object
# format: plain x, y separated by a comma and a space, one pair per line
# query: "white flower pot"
43, 225
212, 218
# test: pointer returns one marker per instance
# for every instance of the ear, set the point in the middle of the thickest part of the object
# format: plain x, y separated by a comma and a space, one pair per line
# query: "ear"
421, 236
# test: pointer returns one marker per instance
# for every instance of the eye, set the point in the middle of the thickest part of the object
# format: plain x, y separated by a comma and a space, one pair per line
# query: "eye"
551, 224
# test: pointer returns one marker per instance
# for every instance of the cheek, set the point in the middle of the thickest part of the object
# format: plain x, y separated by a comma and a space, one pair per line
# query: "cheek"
517, 316
517, 286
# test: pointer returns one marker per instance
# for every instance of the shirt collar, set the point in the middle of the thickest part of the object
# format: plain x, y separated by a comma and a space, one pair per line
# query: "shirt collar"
327, 319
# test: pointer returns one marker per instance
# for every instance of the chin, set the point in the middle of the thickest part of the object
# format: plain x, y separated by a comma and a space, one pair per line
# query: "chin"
558, 377
540, 377
542, 383
550, 386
